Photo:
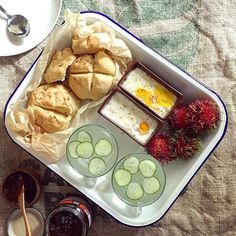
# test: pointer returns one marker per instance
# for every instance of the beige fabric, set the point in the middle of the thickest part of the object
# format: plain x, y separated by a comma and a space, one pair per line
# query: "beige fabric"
208, 208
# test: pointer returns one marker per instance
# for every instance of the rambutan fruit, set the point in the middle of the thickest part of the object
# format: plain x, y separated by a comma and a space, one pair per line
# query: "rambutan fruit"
183, 146
203, 115
159, 148
179, 117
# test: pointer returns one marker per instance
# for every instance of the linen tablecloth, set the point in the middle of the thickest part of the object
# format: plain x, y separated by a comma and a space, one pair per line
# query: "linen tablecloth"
200, 37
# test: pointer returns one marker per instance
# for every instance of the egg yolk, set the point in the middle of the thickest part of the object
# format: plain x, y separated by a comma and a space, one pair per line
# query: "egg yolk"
145, 96
144, 127
164, 97
159, 96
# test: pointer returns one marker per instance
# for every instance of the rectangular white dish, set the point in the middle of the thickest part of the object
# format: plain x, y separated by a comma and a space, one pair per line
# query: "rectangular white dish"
178, 173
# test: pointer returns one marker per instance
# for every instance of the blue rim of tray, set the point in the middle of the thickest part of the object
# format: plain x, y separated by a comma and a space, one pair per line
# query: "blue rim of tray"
224, 132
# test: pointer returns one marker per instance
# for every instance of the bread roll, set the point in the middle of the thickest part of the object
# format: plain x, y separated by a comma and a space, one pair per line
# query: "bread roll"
55, 97
50, 121
82, 64
104, 64
86, 45
53, 107
56, 70
81, 85
91, 76
101, 85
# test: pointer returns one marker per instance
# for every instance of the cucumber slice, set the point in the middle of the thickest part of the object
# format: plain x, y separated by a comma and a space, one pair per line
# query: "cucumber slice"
72, 149
83, 136
131, 164
134, 191
151, 185
85, 150
122, 177
147, 168
103, 147
96, 166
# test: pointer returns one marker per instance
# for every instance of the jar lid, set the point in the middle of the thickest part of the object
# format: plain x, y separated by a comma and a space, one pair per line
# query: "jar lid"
16, 222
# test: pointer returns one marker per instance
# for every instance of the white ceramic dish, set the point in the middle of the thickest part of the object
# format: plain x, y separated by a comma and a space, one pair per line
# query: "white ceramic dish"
178, 173
42, 16
16, 215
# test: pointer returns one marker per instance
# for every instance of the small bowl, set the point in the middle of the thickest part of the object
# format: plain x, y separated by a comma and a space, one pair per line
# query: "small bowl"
81, 165
32, 187
140, 108
37, 231
146, 199
155, 79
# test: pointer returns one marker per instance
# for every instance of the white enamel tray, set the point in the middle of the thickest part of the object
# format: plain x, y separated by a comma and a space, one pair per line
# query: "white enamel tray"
178, 173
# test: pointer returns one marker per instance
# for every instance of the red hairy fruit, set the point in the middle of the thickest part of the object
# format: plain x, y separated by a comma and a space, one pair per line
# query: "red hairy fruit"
203, 115
159, 147
178, 118
183, 146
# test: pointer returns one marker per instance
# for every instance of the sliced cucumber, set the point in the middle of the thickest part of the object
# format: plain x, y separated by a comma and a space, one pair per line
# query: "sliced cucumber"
83, 136
147, 168
131, 164
151, 185
97, 166
134, 191
85, 150
103, 147
122, 177
72, 149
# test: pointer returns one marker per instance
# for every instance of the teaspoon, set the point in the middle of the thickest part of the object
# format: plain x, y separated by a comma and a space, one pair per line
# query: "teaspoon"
17, 25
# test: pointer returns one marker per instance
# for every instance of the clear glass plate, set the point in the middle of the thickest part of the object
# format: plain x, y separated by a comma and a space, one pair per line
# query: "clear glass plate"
146, 199
97, 133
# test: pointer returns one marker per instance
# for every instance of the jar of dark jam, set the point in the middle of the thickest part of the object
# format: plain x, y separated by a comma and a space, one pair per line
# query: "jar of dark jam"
71, 217
11, 187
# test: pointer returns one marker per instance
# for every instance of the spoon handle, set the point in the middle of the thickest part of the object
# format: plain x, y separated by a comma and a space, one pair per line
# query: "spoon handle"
21, 200
4, 11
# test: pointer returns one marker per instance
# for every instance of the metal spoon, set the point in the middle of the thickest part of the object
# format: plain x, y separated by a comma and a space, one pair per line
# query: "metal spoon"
17, 25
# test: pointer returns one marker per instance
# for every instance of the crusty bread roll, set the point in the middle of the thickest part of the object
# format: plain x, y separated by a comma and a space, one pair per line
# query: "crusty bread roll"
101, 85
81, 85
56, 70
86, 45
53, 106
50, 121
55, 97
82, 64
91, 76
104, 64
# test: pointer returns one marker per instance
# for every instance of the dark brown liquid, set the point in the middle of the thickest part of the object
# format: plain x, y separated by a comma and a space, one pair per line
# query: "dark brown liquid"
13, 184
65, 223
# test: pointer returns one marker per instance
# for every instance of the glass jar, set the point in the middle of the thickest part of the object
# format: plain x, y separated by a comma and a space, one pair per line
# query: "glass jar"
71, 217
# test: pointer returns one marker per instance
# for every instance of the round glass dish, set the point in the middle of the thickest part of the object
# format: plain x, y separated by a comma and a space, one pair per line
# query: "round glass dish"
16, 225
146, 199
96, 132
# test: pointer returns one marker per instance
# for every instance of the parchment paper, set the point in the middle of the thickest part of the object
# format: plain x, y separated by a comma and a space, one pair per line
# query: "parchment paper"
21, 120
